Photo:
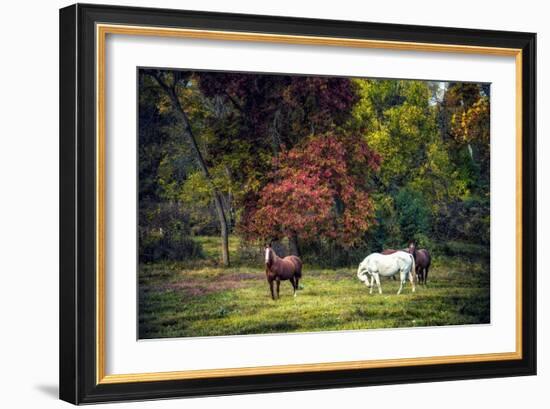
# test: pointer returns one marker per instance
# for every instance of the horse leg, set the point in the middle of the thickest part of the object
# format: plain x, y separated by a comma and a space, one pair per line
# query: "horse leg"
371, 283
411, 279
400, 287
402, 278
425, 275
270, 281
294, 282
278, 285
377, 277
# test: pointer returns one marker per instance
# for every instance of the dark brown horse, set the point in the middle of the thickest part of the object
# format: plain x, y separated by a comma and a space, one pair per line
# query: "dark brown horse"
277, 269
391, 251
423, 260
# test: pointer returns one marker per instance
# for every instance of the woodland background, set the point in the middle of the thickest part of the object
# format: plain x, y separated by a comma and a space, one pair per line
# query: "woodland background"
336, 167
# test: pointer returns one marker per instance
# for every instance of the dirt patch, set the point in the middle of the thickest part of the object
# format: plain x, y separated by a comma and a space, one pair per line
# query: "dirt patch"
199, 286
343, 275
243, 276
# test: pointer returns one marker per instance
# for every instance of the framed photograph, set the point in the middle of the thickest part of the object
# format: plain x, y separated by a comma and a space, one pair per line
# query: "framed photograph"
257, 203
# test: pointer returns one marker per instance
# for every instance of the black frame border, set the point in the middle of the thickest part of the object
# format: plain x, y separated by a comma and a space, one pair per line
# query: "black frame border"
77, 285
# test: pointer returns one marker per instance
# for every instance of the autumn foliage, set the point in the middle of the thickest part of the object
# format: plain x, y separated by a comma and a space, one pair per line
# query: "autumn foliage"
316, 190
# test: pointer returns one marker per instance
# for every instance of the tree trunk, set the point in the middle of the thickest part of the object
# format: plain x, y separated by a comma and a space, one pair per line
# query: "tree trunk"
223, 229
216, 196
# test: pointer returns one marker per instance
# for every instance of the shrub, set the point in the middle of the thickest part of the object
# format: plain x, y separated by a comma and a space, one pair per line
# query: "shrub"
168, 246
467, 221
462, 249
328, 254
164, 233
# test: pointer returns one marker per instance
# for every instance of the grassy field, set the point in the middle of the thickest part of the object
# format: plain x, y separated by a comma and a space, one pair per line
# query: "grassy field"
200, 298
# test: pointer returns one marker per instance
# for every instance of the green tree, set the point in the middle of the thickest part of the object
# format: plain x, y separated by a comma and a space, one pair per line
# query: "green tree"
172, 83
399, 121
413, 215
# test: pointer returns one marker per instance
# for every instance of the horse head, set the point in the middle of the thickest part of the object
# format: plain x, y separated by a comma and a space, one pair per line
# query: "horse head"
269, 254
412, 248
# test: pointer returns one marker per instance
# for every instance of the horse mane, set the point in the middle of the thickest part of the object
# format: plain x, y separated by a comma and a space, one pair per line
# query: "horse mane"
273, 256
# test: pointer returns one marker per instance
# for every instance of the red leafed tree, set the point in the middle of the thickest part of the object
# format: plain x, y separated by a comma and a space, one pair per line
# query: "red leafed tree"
318, 189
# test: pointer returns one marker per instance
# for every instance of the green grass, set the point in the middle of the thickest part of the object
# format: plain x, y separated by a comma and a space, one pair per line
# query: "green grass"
203, 299
211, 246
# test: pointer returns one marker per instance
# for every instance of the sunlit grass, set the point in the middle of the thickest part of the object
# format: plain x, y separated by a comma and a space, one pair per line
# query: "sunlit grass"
185, 299
211, 245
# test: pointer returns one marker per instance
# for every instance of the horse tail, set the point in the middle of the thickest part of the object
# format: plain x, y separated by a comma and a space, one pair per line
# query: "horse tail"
297, 266
413, 272
429, 256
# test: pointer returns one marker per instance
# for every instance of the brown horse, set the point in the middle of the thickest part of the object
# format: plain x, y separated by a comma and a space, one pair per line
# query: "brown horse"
277, 269
391, 251
423, 260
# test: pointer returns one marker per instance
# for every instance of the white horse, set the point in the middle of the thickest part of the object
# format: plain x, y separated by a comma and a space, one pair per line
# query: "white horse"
376, 265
